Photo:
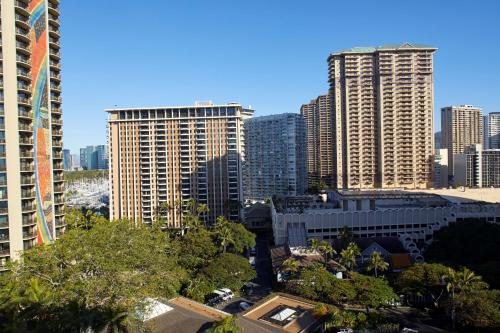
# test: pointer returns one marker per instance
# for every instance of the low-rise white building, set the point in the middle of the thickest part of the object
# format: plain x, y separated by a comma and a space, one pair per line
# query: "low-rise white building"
413, 216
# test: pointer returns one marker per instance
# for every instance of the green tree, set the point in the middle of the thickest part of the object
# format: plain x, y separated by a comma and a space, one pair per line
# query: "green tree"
242, 239
376, 263
371, 292
478, 309
316, 283
229, 270
88, 274
290, 266
348, 256
195, 248
227, 325
326, 250
345, 237
423, 279
224, 233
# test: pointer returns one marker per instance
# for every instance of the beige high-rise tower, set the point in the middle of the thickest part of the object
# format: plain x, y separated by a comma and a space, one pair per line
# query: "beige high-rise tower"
161, 157
319, 121
382, 101
461, 127
31, 159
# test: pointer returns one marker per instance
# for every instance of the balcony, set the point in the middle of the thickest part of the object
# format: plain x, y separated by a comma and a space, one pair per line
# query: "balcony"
25, 114
26, 154
25, 141
24, 75
27, 167
28, 208
25, 127
23, 47
27, 181
29, 234
25, 88
27, 194
22, 20
56, 110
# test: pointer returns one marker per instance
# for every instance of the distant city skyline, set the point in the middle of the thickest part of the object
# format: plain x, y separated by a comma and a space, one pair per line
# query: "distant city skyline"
273, 59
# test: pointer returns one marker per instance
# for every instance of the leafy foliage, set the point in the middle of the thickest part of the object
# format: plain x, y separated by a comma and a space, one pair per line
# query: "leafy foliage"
473, 244
228, 270
227, 325
88, 276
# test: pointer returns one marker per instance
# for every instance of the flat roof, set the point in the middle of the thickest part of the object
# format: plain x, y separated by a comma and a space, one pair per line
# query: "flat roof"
387, 47
199, 106
467, 195
298, 313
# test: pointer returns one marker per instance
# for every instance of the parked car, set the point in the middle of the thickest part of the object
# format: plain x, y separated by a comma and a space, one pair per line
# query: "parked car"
408, 330
228, 294
244, 306
253, 251
215, 298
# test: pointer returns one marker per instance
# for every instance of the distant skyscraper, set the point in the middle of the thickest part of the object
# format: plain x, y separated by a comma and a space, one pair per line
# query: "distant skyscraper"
31, 158
102, 157
441, 168
67, 159
75, 161
437, 140
493, 130
275, 156
162, 156
383, 108
461, 127
320, 141
486, 134
483, 167
94, 157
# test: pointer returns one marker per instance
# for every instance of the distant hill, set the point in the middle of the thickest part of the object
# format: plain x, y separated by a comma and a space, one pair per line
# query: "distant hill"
84, 175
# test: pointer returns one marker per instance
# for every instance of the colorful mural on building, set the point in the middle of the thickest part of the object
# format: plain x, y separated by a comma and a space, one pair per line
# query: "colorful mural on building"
42, 130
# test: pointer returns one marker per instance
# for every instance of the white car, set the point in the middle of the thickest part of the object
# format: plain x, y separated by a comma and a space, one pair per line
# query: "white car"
244, 306
227, 293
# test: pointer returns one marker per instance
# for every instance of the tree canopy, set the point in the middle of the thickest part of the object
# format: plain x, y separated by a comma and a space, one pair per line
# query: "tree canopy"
471, 243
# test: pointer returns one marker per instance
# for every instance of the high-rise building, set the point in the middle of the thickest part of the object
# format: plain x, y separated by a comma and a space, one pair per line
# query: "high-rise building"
461, 127
75, 161
88, 158
382, 101
162, 156
320, 140
482, 167
31, 158
441, 168
493, 130
94, 157
67, 159
102, 157
486, 136
275, 156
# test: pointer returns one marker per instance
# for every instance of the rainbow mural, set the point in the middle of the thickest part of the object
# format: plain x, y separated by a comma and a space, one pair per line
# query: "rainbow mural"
41, 115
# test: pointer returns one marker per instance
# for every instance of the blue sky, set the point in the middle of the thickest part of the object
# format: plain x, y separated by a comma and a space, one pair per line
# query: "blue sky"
270, 54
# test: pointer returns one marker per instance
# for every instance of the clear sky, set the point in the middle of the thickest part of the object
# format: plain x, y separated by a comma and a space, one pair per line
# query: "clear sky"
270, 54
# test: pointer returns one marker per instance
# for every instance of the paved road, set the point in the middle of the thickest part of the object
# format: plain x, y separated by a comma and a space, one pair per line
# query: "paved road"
412, 318
263, 267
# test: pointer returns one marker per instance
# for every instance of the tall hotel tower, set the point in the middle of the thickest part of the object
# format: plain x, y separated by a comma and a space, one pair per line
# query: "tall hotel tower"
320, 144
461, 128
162, 156
31, 159
382, 102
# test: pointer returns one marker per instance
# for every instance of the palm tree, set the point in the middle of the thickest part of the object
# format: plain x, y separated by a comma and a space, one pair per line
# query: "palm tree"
467, 280
178, 205
348, 256
345, 236
224, 233
326, 250
118, 322
463, 281
314, 244
451, 280
376, 263
227, 325
290, 266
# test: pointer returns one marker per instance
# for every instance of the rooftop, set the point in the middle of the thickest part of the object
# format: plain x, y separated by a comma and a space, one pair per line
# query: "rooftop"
197, 105
388, 47
281, 313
